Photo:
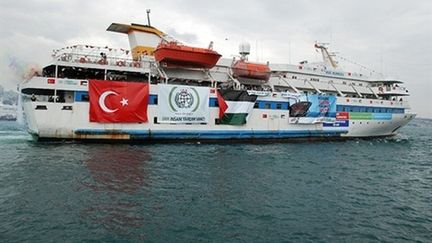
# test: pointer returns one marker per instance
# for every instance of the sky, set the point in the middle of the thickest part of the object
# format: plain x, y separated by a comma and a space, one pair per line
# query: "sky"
390, 37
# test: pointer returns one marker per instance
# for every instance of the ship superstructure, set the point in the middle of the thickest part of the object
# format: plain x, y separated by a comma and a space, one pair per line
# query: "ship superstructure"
90, 92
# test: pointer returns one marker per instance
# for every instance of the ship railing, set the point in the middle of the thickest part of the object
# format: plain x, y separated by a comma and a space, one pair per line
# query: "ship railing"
391, 89
100, 60
396, 89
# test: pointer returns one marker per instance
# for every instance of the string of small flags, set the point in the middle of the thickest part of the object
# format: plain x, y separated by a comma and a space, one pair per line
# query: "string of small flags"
360, 65
80, 47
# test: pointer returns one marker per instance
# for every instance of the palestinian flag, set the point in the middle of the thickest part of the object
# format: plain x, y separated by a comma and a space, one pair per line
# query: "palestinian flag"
235, 106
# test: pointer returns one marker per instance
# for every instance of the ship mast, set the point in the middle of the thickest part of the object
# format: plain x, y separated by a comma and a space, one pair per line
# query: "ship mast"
327, 57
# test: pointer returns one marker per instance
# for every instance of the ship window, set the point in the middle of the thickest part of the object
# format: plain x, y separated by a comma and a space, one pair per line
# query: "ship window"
64, 96
279, 106
38, 91
126, 76
85, 97
267, 106
256, 105
49, 71
155, 121
346, 108
80, 73
369, 109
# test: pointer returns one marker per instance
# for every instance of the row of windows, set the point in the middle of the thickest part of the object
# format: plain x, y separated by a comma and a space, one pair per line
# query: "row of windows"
153, 100
350, 108
273, 105
317, 80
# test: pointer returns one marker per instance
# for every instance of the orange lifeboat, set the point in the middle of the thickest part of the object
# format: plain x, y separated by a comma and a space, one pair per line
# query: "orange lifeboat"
251, 70
174, 54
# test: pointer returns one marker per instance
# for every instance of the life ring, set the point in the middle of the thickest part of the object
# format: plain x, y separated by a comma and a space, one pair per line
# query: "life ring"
136, 64
82, 60
380, 89
120, 63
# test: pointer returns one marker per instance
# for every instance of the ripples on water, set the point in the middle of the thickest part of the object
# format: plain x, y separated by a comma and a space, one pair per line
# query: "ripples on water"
360, 190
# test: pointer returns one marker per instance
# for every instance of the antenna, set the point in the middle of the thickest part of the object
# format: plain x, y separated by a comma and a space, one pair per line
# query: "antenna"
148, 17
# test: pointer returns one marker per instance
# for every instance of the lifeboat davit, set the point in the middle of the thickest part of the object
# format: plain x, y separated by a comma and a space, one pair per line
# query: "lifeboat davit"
251, 70
173, 54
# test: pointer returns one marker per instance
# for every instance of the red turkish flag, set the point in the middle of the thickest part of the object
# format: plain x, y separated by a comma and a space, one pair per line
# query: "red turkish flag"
118, 102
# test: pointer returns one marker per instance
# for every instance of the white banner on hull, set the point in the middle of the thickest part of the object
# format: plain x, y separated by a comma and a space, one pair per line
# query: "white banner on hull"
183, 104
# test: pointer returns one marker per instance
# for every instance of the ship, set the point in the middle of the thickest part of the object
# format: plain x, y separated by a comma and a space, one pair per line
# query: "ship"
163, 90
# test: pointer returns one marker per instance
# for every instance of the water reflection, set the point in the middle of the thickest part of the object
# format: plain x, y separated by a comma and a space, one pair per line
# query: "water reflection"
118, 169
118, 173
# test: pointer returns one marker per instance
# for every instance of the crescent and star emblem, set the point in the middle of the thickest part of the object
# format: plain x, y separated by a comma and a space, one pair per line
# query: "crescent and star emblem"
104, 95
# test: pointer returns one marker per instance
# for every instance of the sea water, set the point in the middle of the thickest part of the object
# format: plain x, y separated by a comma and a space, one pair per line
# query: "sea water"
349, 191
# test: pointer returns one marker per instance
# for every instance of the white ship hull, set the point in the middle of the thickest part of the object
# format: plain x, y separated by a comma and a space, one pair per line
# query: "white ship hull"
50, 120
